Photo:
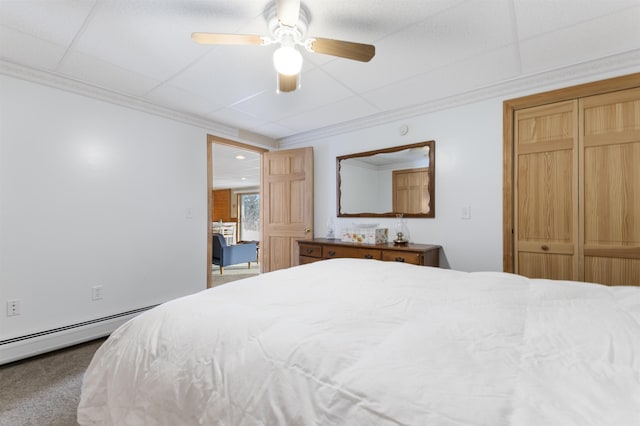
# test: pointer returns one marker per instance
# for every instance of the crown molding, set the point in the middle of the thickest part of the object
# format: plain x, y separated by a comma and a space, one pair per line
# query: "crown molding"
509, 88
78, 87
522, 84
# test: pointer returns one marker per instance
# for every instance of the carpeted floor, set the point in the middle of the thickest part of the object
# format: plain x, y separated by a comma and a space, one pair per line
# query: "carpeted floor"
45, 390
233, 273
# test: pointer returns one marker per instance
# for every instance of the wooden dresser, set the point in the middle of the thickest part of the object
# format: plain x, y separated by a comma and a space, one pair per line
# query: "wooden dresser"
322, 248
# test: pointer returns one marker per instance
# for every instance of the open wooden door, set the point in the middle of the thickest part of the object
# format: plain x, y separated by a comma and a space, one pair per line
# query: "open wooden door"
287, 206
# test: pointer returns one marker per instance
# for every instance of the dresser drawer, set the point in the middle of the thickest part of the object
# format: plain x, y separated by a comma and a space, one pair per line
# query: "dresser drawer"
303, 260
331, 252
321, 248
310, 250
402, 256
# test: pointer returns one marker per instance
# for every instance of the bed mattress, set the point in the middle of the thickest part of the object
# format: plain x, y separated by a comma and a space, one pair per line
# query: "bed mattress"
365, 342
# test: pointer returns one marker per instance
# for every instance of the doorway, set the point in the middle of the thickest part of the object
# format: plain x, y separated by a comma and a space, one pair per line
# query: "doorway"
233, 171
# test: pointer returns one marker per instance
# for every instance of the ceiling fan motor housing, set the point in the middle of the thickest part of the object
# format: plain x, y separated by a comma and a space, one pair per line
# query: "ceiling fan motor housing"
277, 30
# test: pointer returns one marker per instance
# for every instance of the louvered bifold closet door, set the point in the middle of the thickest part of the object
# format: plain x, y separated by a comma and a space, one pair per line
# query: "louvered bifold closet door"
546, 191
610, 187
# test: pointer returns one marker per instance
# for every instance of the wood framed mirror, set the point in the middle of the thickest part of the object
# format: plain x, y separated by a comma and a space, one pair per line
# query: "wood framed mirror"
387, 182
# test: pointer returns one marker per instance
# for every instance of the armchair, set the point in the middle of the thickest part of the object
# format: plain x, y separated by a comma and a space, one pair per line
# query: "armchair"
224, 255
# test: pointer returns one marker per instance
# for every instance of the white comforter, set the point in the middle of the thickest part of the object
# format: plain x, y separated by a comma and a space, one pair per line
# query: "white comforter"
363, 342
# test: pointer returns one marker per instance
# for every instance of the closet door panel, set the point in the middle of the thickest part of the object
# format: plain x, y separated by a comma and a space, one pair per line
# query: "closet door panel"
611, 194
539, 265
612, 271
546, 191
545, 210
610, 176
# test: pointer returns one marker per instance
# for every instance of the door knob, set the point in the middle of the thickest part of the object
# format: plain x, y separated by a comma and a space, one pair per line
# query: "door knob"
307, 230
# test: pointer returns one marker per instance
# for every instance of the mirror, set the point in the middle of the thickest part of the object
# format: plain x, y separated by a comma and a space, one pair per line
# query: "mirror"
387, 182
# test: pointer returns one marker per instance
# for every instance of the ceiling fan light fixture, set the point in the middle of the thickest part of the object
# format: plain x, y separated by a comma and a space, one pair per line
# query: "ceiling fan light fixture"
287, 60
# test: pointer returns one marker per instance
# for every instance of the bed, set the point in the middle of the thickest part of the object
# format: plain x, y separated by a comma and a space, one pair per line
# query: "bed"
365, 342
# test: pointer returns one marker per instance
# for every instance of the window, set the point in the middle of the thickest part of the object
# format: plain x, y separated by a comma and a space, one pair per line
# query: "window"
249, 216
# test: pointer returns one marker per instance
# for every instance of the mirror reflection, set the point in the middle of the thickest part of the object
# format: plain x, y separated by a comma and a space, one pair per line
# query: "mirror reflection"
387, 182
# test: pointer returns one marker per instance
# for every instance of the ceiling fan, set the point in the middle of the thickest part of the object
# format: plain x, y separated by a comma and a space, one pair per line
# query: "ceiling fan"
288, 24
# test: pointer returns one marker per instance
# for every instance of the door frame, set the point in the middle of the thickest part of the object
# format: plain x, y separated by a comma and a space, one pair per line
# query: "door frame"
211, 139
508, 113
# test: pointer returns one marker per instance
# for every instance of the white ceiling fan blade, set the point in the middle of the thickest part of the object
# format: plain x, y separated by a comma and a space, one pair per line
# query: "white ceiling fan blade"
288, 12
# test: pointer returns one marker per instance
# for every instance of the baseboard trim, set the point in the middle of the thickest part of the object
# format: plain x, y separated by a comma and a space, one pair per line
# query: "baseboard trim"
33, 344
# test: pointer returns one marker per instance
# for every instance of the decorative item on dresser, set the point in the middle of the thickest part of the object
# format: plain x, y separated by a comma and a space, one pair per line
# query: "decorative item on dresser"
322, 248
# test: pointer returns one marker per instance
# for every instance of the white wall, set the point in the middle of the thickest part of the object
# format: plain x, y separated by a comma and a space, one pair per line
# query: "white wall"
468, 149
468, 172
355, 176
94, 194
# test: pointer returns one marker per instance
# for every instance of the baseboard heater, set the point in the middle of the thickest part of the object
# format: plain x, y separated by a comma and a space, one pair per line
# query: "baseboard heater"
33, 344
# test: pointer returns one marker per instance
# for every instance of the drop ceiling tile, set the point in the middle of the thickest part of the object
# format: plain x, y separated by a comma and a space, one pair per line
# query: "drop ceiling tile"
182, 100
28, 50
442, 39
236, 118
317, 89
535, 17
589, 40
458, 78
103, 74
242, 70
366, 21
341, 111
55, 21
151, 38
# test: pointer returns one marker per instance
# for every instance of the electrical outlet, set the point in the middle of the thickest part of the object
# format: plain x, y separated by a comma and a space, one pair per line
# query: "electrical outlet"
96, 292
13, 307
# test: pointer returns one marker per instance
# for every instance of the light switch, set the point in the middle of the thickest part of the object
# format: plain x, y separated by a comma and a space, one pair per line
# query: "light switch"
465, 213
188, 212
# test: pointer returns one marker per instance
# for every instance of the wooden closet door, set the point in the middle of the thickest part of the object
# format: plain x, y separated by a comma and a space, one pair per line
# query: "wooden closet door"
610, 187
411, 190
546, 191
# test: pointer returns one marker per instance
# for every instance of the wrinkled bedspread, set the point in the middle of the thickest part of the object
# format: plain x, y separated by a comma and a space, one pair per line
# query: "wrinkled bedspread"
364, 342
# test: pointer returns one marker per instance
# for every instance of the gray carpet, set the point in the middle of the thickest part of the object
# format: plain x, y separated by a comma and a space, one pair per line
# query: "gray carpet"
44, 390
233, 273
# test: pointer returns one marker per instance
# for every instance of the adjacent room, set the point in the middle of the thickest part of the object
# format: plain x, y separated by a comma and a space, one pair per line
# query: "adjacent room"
235, 215
287, 212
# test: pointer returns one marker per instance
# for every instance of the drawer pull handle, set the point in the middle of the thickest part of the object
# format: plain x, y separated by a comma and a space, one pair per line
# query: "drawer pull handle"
332, 253
309, 251
545, 247
399, 259
368, 256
